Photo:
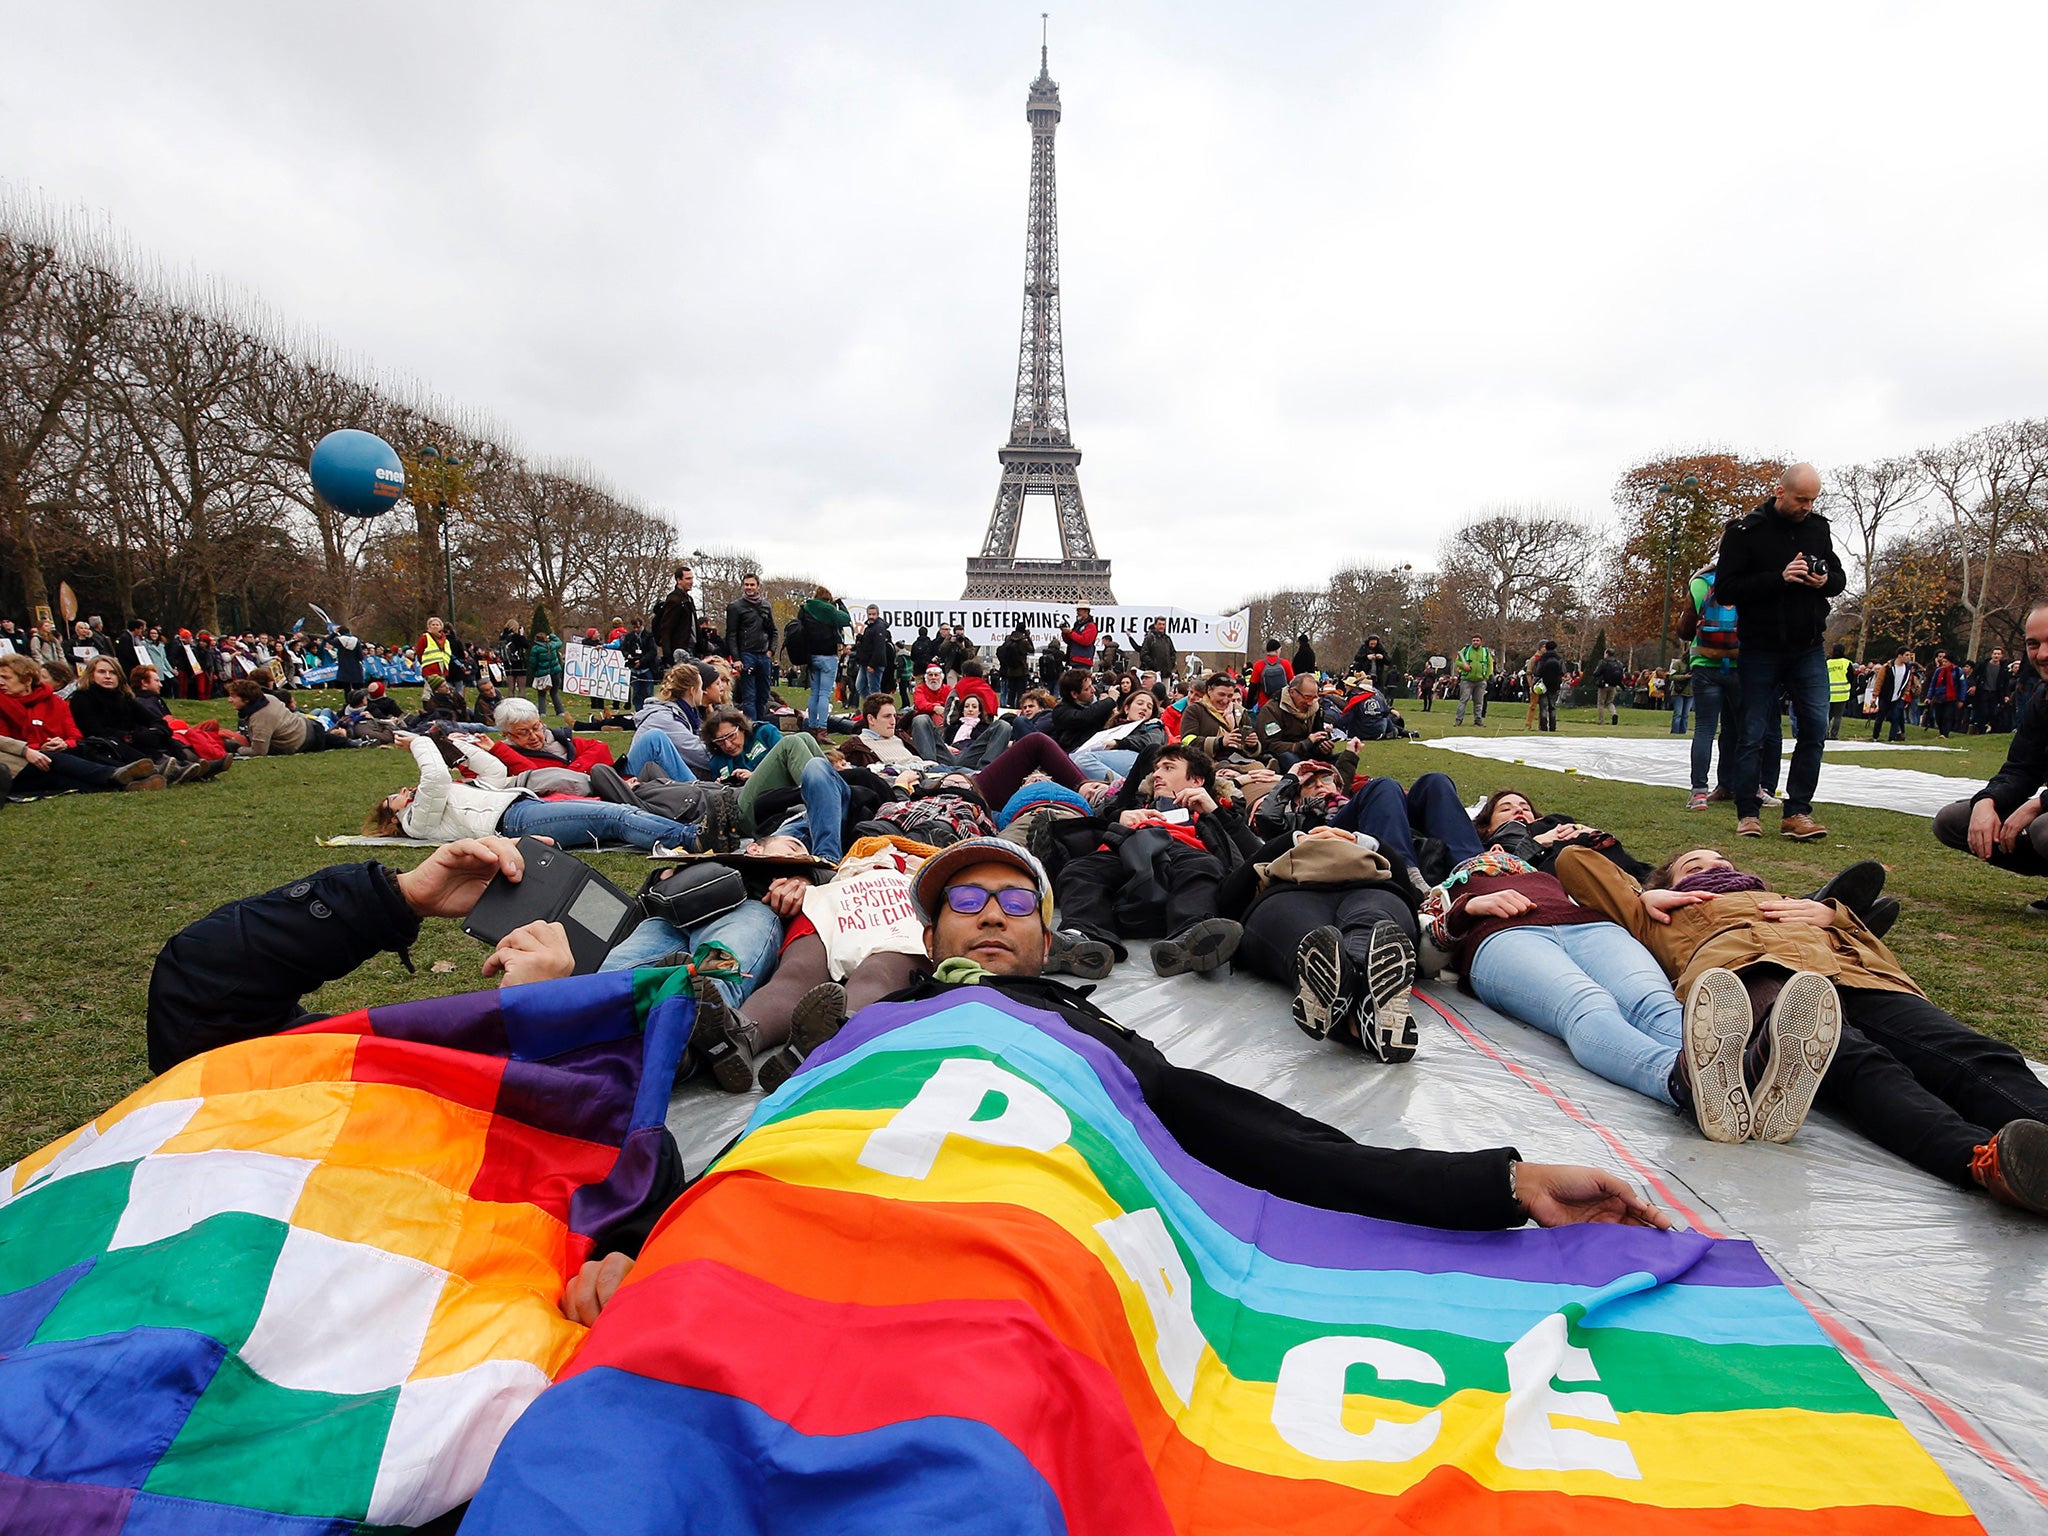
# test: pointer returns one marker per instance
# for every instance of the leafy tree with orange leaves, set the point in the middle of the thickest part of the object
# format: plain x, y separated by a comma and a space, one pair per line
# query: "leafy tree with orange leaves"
1728, 486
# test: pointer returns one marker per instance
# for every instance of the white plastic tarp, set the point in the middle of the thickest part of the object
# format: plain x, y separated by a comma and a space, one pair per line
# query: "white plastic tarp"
1939, 1297
1668, 761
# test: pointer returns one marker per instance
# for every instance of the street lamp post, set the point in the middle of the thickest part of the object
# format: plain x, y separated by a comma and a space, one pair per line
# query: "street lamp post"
1688, 488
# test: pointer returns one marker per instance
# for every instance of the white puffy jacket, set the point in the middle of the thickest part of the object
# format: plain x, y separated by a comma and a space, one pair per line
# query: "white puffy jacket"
443, 810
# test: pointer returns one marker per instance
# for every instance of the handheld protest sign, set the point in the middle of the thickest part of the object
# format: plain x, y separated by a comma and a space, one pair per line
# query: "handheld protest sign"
357, 472
67, 601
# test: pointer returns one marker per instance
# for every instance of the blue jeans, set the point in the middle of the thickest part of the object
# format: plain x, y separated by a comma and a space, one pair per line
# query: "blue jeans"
819, 823
1106, 763
580, 823
1596, 989
1716, 704
750, 931
1802, 676
1681, 708
757, 685
824, 673
651, 744
1430, 806
870, 679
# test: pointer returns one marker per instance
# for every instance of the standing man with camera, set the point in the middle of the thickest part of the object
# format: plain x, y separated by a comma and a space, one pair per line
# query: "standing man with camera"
1778, 568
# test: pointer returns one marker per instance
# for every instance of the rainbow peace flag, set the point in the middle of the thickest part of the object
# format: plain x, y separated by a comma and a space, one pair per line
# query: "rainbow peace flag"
304, 1284
956, 1277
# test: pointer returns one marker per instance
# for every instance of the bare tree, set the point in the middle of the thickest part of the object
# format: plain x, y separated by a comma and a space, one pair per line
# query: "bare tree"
1518, 565
55, 318
1990, 483
1876, 496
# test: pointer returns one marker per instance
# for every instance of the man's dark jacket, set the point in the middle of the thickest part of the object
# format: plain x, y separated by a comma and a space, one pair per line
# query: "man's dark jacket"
750, 626
1771, 613
2026, 760
675, 624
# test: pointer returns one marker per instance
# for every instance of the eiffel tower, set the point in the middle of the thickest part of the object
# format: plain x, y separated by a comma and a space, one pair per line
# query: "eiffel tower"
1040, 457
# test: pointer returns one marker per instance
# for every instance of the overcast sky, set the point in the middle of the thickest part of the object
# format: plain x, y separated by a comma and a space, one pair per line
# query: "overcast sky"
1334, 277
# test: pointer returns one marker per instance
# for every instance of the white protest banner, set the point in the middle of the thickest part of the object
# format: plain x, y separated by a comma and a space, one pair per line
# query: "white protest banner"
986, 622
596, 672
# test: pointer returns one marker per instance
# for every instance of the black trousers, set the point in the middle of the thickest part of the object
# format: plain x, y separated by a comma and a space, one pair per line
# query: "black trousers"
1138, 891
2029, 854
1277, 923
1924, 1085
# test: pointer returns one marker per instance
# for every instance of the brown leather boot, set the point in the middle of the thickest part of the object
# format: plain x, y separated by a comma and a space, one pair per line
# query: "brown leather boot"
1749, 826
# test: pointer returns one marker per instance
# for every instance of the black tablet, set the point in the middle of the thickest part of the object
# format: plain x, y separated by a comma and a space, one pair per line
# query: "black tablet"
557, 887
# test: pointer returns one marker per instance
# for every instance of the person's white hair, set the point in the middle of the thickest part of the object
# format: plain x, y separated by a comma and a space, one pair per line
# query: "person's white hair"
512, 711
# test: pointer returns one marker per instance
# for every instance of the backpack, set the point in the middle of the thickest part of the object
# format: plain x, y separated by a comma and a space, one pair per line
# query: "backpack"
796, 642
1272, 680
1713, 629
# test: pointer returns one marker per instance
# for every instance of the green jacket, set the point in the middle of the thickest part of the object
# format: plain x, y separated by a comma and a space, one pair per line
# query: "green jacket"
1474, 665
544, 658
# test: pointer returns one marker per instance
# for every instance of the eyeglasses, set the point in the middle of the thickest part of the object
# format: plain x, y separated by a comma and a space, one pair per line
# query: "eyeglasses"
1015, 900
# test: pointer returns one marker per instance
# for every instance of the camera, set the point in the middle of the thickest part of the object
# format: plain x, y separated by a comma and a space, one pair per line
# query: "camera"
1817, 565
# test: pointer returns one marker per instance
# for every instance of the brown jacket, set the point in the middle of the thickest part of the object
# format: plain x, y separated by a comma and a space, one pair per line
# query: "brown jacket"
275, 731
1728, 932
1201, 728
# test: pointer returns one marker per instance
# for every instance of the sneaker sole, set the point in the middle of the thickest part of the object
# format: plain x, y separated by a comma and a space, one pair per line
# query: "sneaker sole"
1089, 959
1805, 837
1204, 949
1390, 1032
1324, 983
1717, 1026
2023, 1164
1805, 1027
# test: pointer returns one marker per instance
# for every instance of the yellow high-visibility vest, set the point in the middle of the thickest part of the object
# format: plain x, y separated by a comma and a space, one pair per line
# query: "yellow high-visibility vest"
1838, 679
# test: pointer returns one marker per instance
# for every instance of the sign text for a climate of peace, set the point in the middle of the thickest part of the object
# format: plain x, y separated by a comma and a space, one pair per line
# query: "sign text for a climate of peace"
986, 623
596, 672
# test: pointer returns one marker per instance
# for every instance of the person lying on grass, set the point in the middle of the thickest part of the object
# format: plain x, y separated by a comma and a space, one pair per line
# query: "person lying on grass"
1867, 1043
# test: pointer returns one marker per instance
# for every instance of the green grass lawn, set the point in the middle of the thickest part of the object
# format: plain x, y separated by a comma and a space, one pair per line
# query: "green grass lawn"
96, 883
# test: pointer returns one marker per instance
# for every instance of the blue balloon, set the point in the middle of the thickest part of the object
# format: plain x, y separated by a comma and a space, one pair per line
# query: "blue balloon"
357, 472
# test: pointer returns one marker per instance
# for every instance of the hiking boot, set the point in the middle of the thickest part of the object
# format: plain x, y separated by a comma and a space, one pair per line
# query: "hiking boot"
718, 1038
2013, 1166
1205, 946
1803, 1028
131, 774
148, 781
1749, 826
1720, 794
1855, 887
1802, 829
720, 831
1386, 1019
214, 767
1717, 1025
1882, 914
606, 784
1699, 801
817, 1017
1075, 954
1326, 985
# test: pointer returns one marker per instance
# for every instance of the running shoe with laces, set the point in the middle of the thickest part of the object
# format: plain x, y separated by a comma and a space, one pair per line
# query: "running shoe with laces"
1801, 1033
1698, 801
1386, 1017
1326, 986
1073, 953
1717, 1026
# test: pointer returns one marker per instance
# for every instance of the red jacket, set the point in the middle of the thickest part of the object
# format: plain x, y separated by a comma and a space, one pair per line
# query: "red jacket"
925, 702
588, 750
37, 716
978, 688
1080, 640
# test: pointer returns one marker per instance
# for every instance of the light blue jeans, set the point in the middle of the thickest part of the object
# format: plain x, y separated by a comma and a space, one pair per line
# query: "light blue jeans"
824, 673
750, 931
1106, 763
1596, 989
587, 823
819, 824
651, 744
1681, 710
